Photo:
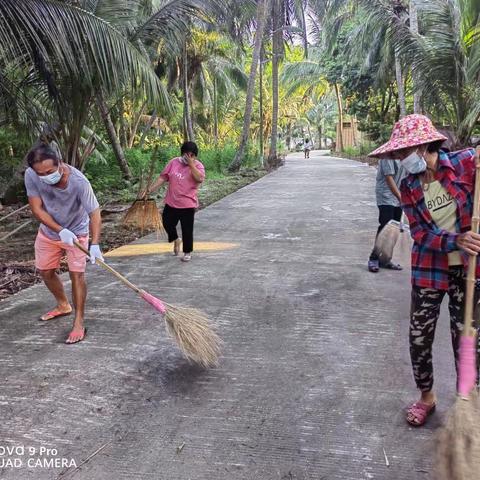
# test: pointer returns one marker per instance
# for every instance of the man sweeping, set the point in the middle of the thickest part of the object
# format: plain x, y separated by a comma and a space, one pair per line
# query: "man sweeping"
62, 199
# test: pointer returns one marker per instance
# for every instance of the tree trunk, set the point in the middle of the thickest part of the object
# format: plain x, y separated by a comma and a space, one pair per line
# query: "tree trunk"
215, 112
72, 151
187, 114
262, 7
147, 128
288, 139
135, 125
340, 118
417, 97
320, 133
116, 147
310, 136
260, 101
400, 86
304, 32
277, 43
121, 121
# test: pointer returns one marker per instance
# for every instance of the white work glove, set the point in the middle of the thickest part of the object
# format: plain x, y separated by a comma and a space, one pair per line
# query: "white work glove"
67, 237
95, 253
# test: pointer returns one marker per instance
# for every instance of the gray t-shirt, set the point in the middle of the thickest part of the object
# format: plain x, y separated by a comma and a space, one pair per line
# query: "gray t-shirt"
382, 190
69, 207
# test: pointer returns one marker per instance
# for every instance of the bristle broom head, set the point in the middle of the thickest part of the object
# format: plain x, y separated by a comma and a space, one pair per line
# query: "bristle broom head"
458, 442
194, 335
144, 214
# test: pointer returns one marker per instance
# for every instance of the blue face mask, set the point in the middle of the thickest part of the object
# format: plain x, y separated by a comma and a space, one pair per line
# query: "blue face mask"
414, 163
52, 178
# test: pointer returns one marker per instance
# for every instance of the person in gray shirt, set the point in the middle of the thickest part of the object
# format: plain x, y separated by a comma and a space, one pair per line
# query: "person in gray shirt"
389, 176
62, 199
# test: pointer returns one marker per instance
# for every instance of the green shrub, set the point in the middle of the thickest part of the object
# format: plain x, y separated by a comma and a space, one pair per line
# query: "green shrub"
352, 151
107, 181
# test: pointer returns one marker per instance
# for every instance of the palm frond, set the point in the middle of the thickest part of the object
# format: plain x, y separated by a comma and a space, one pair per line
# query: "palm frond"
73, 43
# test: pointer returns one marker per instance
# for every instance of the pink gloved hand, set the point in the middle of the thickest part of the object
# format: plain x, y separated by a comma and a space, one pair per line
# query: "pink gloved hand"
467, 366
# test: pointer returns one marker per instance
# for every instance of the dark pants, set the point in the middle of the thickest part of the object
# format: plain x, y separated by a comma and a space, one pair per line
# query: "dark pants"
171, 216
424, 313
385, 214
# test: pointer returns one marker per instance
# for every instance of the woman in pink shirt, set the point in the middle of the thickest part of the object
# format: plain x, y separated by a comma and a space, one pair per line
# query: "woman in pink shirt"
184, 175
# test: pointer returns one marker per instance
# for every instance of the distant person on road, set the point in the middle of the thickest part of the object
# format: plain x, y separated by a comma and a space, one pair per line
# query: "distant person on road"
62, 199
389, 175
437, 198
184, 175
307, 146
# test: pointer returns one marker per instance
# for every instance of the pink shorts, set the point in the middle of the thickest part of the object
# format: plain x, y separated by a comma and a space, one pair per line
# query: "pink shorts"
48, 254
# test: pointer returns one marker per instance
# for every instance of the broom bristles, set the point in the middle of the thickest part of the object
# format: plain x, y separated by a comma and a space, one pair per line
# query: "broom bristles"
144, 214
458, 442
194, 335
386, 241
191, 330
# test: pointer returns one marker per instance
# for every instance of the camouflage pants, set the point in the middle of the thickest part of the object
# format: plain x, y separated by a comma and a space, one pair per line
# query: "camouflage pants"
424, 313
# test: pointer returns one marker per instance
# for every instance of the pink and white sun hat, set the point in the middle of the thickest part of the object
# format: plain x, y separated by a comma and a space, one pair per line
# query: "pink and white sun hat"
409, 131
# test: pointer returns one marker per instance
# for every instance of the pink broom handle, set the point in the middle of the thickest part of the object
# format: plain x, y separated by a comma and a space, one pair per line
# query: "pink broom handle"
467, 352
468, 329
111, 270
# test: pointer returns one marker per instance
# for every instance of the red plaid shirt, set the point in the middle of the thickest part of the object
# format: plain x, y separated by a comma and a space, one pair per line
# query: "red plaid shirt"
456, 173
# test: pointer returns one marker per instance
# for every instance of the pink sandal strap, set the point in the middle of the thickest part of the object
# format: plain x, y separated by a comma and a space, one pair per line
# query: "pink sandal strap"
418, 412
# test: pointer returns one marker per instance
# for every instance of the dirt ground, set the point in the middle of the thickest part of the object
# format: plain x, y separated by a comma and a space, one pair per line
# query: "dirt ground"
17, 269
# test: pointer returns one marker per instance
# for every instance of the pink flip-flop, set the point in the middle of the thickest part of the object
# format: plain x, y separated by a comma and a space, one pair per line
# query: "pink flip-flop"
418, 413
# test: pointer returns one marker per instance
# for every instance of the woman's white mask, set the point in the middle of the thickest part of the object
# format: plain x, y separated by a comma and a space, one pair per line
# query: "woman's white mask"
414, 163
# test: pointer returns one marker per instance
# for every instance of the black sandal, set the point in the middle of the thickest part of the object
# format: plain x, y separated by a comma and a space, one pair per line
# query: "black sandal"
373, 266
392, 266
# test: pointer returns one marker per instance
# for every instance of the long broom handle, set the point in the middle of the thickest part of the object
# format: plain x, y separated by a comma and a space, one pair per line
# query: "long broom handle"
468, 329
111, 270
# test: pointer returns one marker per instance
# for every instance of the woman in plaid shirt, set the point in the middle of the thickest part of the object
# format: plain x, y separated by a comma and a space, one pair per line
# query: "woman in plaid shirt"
437, 197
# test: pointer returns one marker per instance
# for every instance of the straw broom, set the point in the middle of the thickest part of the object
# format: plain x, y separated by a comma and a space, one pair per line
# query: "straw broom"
189, 327
144, 211
458, 442
144, 214
388, 238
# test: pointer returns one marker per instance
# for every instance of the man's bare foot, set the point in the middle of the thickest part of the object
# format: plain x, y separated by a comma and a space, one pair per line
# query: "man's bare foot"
58, 311
76, 335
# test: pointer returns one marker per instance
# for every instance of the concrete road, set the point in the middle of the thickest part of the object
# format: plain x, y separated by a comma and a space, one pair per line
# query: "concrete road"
315, 371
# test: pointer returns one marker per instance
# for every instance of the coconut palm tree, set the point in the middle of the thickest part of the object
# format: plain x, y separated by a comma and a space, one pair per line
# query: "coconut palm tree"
164, 23
63, 56
414, 27
261, 19
288, 16
308, 78
205, 74
368, 38
445, 57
